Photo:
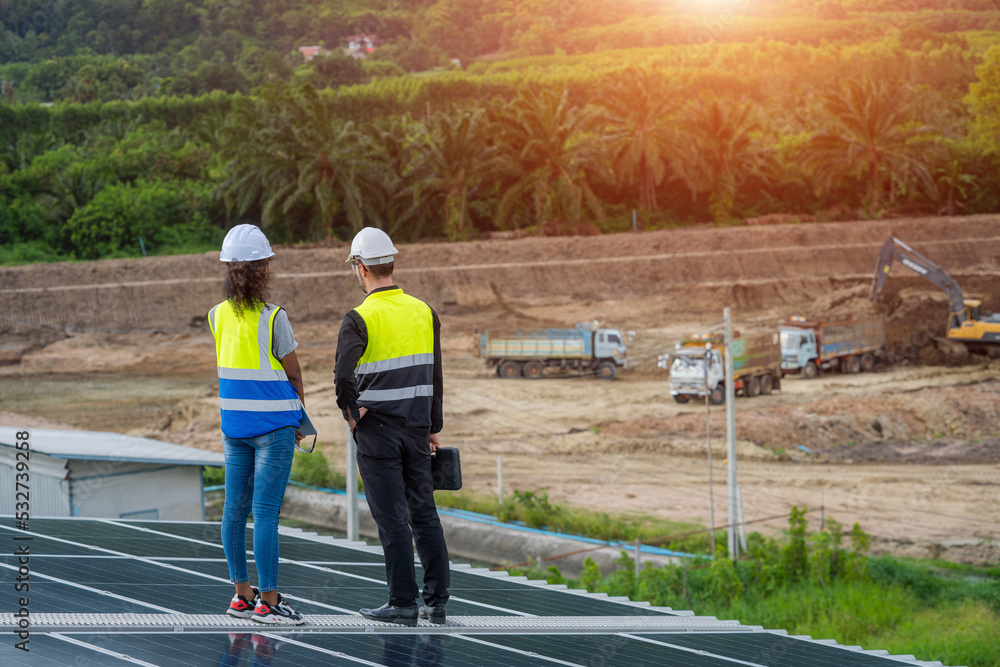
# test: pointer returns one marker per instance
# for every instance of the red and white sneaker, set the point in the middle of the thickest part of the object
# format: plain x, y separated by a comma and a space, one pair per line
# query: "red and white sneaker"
240, 607
276, 614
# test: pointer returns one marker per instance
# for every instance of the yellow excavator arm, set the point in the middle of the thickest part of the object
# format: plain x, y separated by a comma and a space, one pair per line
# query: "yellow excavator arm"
964, 320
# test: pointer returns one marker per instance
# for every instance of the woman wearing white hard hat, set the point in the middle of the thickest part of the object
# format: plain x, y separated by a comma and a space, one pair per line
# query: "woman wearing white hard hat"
261, 398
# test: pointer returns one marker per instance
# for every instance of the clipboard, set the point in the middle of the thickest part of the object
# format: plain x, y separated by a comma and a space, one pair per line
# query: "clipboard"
305, 429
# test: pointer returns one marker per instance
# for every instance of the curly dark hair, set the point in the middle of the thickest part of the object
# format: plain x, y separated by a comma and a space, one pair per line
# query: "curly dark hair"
246, 285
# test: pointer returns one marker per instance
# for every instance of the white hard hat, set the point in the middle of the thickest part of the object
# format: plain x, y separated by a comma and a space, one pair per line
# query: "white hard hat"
245, 243
372, 246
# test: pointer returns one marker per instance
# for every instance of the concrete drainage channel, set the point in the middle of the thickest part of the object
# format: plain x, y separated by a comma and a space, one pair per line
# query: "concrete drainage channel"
476, 537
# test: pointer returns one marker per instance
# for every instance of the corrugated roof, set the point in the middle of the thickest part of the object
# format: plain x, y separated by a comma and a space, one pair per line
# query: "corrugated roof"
104, 446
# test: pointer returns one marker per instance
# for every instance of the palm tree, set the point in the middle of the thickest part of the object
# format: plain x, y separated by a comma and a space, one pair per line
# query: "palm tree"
646, 137
287, 151
722, 152
70, 190
548, 150
254, 169
871, 135
26, 148
452, 158
393, 141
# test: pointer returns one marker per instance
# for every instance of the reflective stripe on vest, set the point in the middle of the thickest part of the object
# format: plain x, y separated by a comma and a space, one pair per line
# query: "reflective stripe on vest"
395, 373
255, 396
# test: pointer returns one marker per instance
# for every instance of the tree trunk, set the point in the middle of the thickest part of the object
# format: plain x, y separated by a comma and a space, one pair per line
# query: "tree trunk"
873, 187
647, 187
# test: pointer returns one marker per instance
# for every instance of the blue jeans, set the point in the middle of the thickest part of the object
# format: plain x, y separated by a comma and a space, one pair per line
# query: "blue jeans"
256, 475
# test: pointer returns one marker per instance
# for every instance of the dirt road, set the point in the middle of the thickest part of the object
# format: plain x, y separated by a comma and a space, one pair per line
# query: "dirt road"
911, 452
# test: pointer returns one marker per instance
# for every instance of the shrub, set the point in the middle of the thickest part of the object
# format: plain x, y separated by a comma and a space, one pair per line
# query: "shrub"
212, 476
168, 216
314, 470
795, 554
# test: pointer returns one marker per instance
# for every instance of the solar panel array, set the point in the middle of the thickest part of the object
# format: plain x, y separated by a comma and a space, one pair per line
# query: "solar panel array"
114, 592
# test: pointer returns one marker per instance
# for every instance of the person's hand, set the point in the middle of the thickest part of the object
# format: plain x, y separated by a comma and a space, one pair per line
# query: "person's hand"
353, 424
435, 442
298, 437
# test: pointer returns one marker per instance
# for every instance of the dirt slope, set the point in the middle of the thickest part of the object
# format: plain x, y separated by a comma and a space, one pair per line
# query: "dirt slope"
911, 451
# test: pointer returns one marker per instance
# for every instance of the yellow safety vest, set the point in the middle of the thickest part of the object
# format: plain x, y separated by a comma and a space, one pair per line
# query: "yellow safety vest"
396, 372
255, 395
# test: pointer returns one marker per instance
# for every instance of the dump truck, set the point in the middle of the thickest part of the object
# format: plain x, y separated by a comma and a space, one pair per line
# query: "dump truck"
756, 367
586, 348
846, 343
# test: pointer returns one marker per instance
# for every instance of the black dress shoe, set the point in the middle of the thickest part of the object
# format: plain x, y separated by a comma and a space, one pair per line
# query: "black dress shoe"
391, 614
435, 614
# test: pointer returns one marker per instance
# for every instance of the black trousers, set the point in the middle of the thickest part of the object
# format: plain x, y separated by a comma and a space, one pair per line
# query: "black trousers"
396, 469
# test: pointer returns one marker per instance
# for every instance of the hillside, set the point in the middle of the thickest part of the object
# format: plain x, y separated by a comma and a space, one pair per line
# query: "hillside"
779, 269
121, 49
166, 123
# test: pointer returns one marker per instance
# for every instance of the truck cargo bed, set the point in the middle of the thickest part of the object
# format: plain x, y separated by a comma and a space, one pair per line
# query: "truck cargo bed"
537, 344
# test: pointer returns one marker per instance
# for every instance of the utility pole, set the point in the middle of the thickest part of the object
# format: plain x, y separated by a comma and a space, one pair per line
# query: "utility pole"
733, 543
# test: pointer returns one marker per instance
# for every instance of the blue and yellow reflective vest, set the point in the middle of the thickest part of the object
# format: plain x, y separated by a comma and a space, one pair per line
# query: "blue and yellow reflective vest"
255, 395
396, 372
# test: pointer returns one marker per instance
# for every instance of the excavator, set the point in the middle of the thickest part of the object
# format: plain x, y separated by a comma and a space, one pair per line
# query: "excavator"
979, 332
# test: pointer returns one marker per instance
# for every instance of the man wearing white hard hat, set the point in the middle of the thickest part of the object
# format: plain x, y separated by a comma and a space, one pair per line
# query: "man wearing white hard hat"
389, 386
261, 397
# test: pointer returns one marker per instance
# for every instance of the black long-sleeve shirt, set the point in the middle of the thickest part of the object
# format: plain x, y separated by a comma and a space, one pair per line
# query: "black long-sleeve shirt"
351, 344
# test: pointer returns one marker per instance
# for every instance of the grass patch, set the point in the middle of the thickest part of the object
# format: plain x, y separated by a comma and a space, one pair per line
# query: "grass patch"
847, 612
936, 582
815, 584
957, 633
877, 616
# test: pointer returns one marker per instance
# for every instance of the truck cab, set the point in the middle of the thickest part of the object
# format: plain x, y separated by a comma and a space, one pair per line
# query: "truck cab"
798, 348
687, 374
687, 365
610, 344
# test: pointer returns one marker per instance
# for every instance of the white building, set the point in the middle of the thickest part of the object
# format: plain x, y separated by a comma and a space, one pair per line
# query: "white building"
98, 474
360, 46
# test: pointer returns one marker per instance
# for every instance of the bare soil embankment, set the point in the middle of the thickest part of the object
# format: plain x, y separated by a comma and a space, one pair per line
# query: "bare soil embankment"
909, 451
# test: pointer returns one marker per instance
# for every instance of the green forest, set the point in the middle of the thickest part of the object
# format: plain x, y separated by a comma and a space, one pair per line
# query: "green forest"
132, 127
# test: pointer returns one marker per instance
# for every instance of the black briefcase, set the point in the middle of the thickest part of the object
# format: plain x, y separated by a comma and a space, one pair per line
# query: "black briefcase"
446, 469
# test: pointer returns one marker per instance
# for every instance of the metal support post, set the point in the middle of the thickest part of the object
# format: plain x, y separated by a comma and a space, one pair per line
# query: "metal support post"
708, 439
733, 544
742, 521
352, 485
500, 480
